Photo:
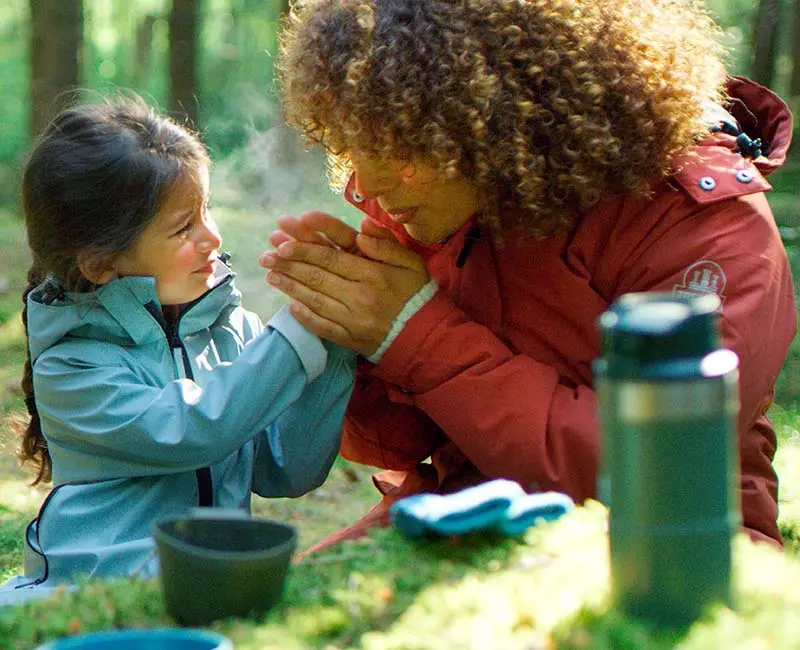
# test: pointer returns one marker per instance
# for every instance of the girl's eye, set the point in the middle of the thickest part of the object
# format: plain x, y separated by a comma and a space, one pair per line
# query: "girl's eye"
185, 229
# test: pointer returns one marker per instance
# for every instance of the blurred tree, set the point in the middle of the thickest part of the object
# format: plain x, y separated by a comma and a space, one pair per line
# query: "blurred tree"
184, 20
765, 40
144, 46
56, 42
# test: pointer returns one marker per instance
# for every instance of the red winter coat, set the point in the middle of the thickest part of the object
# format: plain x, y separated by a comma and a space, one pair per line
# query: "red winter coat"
492, 378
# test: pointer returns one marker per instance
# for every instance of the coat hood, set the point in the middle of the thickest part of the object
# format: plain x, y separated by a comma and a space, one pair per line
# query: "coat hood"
749, 139
762, 115
124, 311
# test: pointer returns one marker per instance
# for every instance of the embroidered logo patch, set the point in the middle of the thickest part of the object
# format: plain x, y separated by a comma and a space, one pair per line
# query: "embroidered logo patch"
702, 278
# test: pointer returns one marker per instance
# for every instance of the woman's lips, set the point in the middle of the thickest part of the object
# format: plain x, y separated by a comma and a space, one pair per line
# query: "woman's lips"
402, 216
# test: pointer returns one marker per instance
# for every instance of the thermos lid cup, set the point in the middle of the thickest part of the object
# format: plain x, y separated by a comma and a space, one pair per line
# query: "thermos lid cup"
656, 335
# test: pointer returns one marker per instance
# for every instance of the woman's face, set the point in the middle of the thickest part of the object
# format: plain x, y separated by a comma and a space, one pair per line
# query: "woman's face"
428, 204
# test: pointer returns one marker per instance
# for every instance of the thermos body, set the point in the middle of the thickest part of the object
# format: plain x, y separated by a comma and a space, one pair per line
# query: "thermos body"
670, 463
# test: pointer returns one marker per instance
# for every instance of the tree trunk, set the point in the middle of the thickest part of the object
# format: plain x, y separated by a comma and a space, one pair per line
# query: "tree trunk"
184, 22
764, 41
144, 45
56, 43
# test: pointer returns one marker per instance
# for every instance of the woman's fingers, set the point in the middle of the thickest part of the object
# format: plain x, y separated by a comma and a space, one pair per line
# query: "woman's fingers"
332, 260
322, 292
322, 327
336, 317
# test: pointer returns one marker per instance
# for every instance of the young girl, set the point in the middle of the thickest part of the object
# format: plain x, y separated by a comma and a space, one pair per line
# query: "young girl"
150, 389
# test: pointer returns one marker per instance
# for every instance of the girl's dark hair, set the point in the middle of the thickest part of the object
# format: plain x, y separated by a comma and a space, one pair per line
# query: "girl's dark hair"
96, 178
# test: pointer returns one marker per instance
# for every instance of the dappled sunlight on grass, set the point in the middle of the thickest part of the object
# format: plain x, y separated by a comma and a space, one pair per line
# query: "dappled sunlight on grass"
19, 496
16, 493
12, 333
345, 496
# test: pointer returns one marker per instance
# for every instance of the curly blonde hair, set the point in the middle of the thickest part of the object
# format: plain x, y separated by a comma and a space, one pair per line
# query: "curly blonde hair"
546, 105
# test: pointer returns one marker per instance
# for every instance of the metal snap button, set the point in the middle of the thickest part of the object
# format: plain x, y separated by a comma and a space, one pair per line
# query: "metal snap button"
707, 183
356, 197
744, 176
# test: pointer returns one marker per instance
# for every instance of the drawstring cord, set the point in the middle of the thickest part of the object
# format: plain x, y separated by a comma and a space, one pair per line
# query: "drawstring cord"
744, 144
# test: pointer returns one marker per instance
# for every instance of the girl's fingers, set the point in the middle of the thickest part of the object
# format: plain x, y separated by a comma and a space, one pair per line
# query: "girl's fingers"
390, 251
298, 230
374, 229
277, 237
335, 230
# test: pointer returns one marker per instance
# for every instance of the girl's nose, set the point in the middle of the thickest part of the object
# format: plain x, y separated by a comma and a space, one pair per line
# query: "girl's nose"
209, 236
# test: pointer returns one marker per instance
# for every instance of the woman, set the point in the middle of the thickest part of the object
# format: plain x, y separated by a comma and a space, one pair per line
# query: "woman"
522, 165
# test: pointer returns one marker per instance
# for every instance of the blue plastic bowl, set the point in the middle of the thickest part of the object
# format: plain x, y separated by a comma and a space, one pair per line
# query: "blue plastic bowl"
166, 639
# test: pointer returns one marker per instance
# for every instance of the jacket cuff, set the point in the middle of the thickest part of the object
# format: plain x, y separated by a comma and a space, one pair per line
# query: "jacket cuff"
412, 306
398, 361
307, 346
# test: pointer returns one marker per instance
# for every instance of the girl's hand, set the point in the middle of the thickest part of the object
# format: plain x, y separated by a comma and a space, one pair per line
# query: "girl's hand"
323, 229
349, 298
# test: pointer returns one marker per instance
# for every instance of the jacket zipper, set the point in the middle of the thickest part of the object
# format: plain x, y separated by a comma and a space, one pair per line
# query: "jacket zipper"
205, 483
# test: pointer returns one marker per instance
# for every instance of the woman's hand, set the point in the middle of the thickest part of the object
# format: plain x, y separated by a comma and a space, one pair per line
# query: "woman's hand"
347, 287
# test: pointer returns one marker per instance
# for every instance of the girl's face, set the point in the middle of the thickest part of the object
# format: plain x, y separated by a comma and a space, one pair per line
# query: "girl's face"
179, 246
428, 204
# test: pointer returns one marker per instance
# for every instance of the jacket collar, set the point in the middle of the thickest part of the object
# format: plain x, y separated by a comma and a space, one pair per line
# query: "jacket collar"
117, 312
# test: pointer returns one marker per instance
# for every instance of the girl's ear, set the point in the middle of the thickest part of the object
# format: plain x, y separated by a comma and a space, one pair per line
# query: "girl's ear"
97, 269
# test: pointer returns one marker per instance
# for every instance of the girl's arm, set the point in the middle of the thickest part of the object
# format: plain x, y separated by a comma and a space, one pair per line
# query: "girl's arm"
103, 420
299, 448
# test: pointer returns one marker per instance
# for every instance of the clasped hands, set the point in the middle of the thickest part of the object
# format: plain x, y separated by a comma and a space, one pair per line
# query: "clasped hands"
346, 286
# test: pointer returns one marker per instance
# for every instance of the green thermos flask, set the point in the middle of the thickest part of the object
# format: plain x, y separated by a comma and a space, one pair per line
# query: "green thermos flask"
668, 399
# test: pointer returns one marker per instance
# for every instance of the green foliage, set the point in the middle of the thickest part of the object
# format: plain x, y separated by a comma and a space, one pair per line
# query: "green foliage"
236, 45
785, 205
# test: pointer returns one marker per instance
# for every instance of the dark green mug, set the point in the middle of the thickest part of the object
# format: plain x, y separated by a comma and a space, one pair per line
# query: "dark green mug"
668, 399
214, 566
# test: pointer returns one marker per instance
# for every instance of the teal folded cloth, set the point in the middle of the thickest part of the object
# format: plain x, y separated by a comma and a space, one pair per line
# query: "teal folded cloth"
528, 510
500, 505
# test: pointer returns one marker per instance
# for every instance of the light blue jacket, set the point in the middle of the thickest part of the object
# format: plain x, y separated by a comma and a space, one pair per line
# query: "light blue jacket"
144, 421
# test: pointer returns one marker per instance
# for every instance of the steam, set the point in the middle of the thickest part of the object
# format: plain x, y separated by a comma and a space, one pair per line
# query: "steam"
271, 175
